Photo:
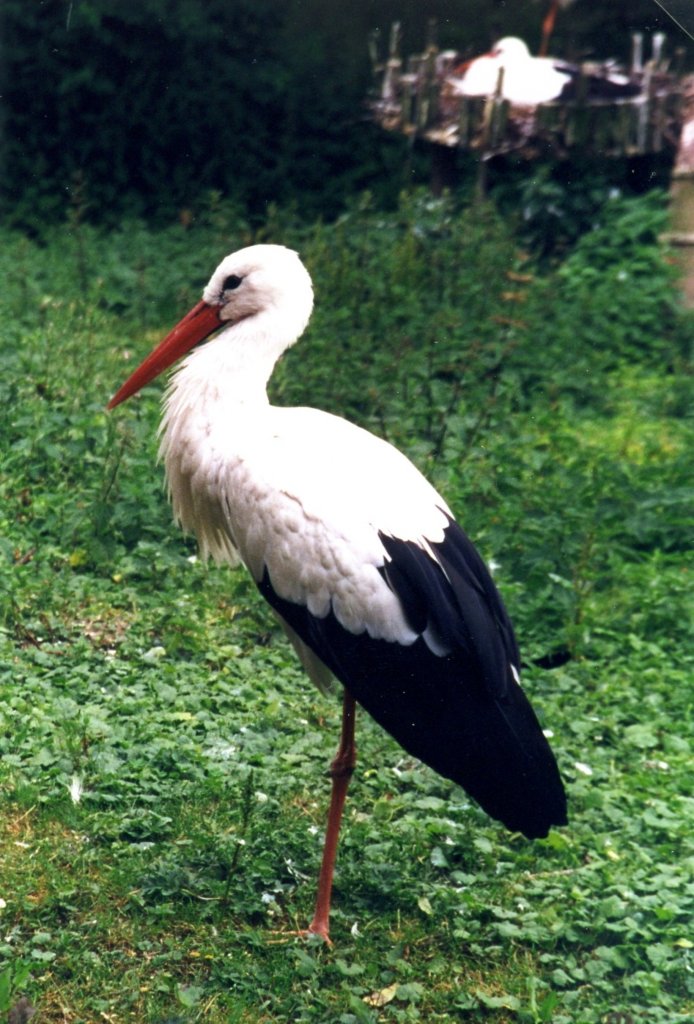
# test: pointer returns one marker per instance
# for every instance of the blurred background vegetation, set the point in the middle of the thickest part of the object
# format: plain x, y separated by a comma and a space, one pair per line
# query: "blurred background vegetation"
145, 109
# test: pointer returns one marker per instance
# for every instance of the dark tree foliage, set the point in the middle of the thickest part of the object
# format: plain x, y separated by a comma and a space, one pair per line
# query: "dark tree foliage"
144, 108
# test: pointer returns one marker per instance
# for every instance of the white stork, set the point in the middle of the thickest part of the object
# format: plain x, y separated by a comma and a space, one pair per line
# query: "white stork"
360, 558
528, 81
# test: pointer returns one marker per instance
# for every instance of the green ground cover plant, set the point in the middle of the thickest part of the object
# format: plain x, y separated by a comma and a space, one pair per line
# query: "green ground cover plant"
163, 757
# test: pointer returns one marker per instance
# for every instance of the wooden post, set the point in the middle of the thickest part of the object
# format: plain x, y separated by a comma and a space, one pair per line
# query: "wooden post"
427, 90
682, 196
657, 50
391, 76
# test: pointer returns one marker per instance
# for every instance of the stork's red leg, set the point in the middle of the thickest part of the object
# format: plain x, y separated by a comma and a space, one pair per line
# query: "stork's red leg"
341, 771
548, 27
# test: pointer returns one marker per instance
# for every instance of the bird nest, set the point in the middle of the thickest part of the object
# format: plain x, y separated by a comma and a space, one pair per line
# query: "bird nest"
422, 101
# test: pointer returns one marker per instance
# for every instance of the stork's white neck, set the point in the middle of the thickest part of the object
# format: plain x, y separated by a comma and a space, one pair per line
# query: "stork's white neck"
233, 368
223, 370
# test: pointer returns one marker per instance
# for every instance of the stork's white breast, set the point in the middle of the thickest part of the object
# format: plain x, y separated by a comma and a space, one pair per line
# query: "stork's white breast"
304, 495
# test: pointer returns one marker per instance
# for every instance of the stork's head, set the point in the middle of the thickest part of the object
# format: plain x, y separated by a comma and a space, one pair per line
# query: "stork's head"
510, 48
265, 287
259, 279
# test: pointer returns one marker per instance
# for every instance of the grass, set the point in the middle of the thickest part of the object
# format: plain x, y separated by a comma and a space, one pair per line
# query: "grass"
163, 779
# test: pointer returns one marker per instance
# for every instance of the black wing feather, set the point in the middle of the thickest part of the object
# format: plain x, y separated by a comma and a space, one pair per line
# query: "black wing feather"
480, 605
462, 712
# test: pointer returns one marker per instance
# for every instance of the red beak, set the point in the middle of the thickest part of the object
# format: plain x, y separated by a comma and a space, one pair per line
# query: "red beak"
202, 320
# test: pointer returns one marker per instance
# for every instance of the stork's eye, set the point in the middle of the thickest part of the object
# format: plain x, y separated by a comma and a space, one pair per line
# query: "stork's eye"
231, 282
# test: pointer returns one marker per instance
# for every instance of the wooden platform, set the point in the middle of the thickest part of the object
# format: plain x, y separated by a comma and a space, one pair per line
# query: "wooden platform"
414, 98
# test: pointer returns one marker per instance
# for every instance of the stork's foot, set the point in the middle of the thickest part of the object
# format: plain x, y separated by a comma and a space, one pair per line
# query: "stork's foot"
321, 930
284, 935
